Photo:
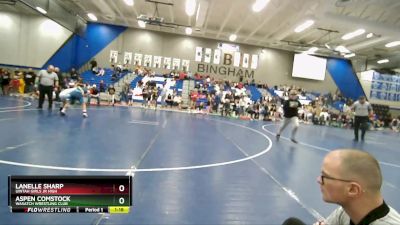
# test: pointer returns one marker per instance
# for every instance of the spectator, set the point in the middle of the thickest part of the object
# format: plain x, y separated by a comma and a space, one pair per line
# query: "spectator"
111, 95
93, 65
102, 86
94, 93
395, 124
29, 80
74, 75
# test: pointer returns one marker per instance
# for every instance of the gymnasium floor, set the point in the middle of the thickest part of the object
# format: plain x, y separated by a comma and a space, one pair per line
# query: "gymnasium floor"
191, 168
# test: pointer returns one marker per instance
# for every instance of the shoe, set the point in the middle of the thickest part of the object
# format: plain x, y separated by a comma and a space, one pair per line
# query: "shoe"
61, 109
294, 140
278, 136
355, 139
85, 114
62, 113
39, 107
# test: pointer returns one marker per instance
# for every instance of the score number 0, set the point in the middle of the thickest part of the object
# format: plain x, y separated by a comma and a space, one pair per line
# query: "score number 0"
121, 200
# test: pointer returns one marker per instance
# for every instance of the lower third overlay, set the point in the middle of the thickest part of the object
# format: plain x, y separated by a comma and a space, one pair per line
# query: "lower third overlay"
70, 194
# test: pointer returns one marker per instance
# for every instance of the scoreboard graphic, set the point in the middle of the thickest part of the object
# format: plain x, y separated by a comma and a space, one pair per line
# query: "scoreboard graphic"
69, 194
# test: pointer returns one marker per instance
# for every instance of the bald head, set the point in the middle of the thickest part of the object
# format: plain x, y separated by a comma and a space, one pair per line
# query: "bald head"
359, 166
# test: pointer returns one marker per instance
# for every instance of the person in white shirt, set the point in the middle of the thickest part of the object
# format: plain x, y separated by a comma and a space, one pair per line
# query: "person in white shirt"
362, 109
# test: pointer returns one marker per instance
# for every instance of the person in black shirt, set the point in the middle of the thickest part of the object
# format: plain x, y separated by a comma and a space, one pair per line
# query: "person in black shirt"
74, 74
93, 65
29, 79
5, 81
290, 108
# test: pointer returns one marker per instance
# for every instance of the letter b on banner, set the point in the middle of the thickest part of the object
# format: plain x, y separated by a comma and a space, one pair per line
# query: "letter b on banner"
227, 59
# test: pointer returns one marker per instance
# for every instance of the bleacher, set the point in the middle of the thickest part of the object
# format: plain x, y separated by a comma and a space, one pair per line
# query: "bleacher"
170, 84
90, 78
382, 111
255, 93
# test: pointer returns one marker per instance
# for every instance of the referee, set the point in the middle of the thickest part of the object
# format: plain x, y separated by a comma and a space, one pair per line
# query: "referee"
362, 109
45, 82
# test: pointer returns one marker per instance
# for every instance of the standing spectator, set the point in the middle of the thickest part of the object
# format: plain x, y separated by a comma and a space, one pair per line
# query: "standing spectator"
21, 87
290, 113
46, 81
125, 92
29, 80
93, 65
111, 94
74, 75
362, 109
5, 81
352, 179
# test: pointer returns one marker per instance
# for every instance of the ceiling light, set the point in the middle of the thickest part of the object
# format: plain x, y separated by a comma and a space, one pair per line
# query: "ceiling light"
312, 50
350, 55
259, 5
188, 30
383, 61
41, 10
392, 44
141, 23
92, 16
129, 2
342, 49
370, 35
328, 46
232, 37
304, 26
190, 7
351, 35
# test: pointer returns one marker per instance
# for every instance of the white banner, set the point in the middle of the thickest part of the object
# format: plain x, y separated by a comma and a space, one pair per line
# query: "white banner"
185, 65
245, 62
254, 62
138, 59
167, 63
176, 64
199, 54
128, 58
113, 56
217, 56
147, 60
207, 55
236, 59
157, 62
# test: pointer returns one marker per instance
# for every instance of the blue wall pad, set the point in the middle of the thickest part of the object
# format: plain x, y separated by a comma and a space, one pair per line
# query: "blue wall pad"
346, 80
79, 50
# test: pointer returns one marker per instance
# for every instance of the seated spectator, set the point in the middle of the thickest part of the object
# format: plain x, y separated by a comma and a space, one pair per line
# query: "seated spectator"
264, 112
114, 77
395, 124
353, 180
102, 86
169, 100
94, 93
